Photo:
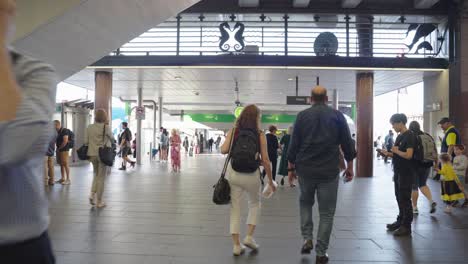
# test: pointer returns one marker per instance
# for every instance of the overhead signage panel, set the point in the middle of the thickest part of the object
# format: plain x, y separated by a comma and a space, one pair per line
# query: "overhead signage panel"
298, 100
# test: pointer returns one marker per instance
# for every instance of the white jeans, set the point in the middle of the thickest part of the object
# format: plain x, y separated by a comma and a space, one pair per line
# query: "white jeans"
240, 183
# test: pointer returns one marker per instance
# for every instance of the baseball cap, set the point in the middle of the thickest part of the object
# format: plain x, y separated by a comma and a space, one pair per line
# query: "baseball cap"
444, 120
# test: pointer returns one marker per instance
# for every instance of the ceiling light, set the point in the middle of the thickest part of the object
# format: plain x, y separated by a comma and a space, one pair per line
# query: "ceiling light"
290, 79
177, 77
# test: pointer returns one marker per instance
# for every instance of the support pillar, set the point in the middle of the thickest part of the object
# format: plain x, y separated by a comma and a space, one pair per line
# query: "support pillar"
155, 125
160, 101
138, 137
365, 123
365, 100
103, 92
335, 99
458, 68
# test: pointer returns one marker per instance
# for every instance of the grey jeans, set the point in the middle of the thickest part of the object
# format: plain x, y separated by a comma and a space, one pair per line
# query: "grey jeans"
327, 196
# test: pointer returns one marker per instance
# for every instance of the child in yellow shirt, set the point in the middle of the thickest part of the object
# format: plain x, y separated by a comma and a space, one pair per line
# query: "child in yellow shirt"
450, 184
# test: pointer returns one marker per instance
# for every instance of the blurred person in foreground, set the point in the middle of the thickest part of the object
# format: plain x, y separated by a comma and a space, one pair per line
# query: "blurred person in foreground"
27, 103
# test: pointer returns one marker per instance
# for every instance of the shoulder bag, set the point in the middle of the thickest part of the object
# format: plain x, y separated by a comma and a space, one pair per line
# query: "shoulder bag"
222, 189
82, 152
106, 154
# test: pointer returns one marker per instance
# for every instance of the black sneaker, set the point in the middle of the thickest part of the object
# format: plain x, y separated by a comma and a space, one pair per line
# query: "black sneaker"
402, 231
321, 259
433, 207
393, 226
282, 181
307, 247
122, 168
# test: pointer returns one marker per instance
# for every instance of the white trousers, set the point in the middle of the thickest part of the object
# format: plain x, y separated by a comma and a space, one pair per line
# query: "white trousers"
243, 183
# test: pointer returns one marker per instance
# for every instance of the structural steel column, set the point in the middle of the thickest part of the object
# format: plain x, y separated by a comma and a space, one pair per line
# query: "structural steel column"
335, 99
138, 137
160, 102
103, 92
365, 123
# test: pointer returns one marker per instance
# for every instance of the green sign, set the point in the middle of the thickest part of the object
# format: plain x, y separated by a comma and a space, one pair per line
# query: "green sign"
128, 109
278, 119
212, 118
228, 118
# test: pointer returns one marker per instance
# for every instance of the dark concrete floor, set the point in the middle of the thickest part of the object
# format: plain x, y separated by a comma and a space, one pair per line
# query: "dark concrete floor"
155, 216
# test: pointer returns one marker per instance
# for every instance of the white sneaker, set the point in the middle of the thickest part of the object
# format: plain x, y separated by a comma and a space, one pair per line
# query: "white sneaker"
415, 210
67, 182
250, 243
238, 250
448, 210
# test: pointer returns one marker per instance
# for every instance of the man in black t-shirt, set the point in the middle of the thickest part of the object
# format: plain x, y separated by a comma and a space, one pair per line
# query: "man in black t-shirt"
63, 152
404, 174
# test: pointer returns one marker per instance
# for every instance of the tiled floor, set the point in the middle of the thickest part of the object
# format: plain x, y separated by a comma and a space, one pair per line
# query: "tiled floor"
155, 216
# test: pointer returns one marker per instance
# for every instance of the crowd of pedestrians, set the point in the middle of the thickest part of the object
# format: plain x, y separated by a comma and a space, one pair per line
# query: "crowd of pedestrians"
310, 155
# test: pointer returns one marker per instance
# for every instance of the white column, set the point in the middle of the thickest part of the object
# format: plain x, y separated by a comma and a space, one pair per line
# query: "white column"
139, 143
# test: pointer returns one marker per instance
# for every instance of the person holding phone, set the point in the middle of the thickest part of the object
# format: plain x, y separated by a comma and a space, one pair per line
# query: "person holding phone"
404, 167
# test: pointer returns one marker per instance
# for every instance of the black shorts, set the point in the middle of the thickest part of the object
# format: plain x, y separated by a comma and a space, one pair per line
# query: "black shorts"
126, 151
422, 173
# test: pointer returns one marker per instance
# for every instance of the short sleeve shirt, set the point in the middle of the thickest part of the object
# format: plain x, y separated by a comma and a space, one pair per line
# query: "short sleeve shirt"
451, 139
61, 134
404, 141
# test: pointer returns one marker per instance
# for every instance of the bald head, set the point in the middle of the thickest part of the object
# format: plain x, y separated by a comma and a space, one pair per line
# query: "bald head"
319, 94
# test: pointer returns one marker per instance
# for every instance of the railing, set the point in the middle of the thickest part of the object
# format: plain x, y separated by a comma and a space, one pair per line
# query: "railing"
294, 35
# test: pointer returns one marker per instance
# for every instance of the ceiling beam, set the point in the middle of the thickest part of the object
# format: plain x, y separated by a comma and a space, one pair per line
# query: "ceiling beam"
350, 3
249, 3
301, 3
424, 4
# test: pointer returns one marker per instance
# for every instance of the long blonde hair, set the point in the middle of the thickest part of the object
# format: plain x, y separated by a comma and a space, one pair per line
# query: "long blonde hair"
100, 116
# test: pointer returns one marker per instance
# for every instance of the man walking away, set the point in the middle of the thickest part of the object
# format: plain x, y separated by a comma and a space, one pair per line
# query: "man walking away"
218, 141
314, 154
210, 144
404, 168
63, 152
26, 108
125, 138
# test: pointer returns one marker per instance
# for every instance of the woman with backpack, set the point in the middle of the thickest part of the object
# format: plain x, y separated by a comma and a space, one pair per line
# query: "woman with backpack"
424, 165
247, 148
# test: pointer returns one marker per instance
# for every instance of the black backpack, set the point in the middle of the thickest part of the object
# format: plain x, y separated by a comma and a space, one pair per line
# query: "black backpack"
245, 152
71, 139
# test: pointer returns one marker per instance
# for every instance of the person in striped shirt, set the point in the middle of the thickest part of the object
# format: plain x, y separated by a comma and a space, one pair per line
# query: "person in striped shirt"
27, 103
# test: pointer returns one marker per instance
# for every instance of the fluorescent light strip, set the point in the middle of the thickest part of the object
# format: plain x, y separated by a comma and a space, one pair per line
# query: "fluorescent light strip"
268, 67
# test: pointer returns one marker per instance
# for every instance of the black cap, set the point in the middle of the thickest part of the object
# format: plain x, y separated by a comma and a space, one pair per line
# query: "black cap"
444, 120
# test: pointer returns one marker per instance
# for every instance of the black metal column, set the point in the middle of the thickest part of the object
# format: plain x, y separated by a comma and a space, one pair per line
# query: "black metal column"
286, 18
178, 35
